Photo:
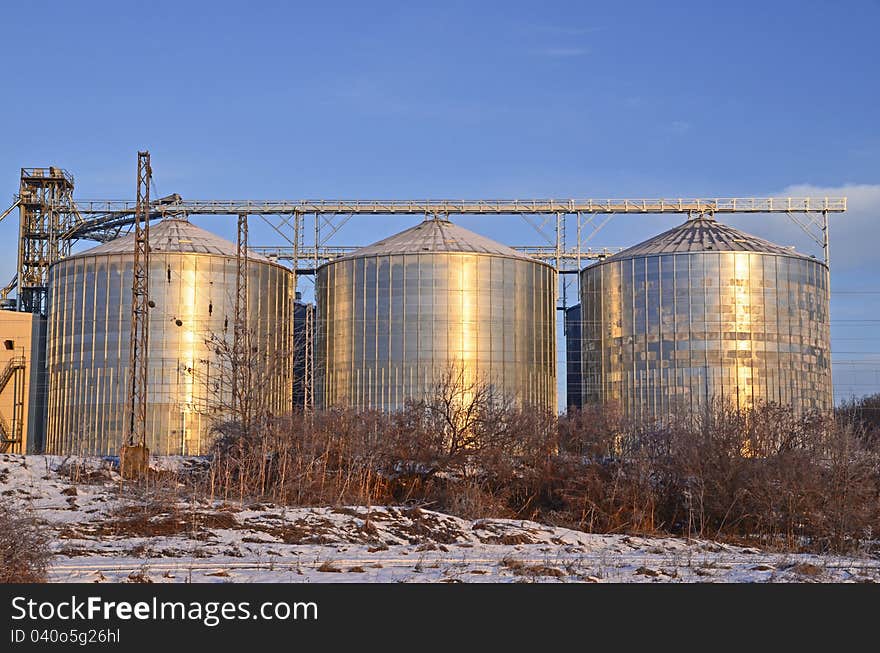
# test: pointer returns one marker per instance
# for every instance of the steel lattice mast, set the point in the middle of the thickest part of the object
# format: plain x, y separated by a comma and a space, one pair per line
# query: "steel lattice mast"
140, 319
241, 390
45, 202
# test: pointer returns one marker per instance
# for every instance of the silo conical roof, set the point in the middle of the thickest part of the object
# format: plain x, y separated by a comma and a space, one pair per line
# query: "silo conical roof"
435, 236
173, 235
704, 234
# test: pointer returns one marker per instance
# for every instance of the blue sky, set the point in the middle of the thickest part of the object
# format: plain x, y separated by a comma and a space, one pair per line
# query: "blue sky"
465, 99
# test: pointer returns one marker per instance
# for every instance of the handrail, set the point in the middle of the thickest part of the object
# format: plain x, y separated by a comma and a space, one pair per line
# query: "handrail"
113, 208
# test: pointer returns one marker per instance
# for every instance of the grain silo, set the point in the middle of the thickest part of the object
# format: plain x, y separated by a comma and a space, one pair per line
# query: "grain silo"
193, 288
394, 317
303, 340
705, 313
574, 377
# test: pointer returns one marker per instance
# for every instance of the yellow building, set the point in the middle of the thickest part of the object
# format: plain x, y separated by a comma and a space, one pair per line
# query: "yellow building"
22, 382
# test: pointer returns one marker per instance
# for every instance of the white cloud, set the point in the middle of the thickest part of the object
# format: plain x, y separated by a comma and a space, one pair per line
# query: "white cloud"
854, 235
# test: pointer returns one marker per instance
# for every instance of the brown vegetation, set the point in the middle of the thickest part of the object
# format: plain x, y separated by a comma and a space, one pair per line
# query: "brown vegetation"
24, 547
763, 475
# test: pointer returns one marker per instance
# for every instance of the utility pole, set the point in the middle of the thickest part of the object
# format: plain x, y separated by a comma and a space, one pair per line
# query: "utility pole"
293, 343
309, 354
241, 390
134, 456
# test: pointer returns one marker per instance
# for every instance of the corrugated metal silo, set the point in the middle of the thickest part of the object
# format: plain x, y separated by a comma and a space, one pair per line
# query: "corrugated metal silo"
395, 316
574, 377
704, 312
193, 286
303, 330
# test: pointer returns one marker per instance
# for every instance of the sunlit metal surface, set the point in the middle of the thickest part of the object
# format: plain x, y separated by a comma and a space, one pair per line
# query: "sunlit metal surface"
193, 286
677, 322
395, 316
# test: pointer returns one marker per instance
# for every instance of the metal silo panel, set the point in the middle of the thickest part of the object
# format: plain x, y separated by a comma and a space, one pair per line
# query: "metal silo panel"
674, 332
90, 304
389, 326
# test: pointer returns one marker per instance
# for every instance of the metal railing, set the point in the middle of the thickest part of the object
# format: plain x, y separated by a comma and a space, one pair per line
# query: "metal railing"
310, 255
463, 207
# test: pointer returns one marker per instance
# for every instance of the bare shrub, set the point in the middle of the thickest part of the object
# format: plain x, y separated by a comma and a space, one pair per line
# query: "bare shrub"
470, 500
865, 414
329, 457
24, 547
764, 475
463, 446
79, 471
594, 430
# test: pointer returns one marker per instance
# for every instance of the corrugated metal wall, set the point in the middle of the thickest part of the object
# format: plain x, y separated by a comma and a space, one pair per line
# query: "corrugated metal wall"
574, 377
88, 347
668, 333
390, 326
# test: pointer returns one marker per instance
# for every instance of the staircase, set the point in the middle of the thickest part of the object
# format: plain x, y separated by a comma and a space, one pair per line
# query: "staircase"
9, 436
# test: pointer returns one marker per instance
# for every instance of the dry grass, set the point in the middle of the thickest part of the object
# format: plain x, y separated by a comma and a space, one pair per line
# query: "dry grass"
806, 569
520, 568
329, 567
763, 476
24, 547
538, 570
139, 577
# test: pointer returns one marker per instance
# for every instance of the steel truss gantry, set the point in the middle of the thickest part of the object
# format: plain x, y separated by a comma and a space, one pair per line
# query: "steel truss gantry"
304, 259
101, 220
51, 221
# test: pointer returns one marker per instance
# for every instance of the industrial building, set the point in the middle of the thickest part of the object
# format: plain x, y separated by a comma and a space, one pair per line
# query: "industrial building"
303, 348
574, 377
22, 382
396, 316
700, 313
704, 313
192, 290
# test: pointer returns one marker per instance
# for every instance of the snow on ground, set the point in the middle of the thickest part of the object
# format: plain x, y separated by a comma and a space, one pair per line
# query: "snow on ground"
107, 531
